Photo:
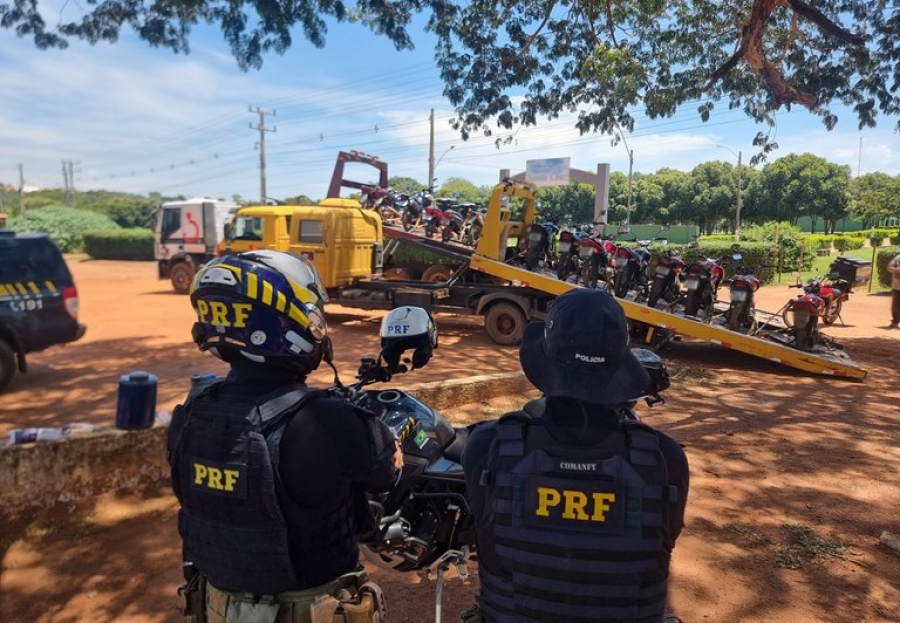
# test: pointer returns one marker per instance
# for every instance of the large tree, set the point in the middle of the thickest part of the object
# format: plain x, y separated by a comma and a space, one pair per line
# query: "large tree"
511, 62
802, 185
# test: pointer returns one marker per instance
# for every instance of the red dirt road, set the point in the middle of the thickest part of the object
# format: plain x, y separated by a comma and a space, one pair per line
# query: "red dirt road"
794, 476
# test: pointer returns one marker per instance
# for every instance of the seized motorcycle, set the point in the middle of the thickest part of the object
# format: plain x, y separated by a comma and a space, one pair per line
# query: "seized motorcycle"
801, 315
741, 287
702, 280
434, 220
540, 245
568, 262
414, 211
473, 224
596, 259
631, 266
834, 290
452, 228
380, 199
665, 284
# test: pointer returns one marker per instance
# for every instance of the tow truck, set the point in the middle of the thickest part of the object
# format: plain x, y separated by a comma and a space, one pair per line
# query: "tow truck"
352, 249
489, 259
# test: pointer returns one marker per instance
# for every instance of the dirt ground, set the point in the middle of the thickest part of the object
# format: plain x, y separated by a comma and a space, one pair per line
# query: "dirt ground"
794, 477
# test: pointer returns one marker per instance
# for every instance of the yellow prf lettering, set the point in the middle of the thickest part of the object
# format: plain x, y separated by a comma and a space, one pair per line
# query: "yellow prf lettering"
576, 504
218, 310
241, 312
217, 313
602, 503
231, 477
213, 477
546, 497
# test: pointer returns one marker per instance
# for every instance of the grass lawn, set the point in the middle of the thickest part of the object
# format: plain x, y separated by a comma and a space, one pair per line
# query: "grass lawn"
820, 267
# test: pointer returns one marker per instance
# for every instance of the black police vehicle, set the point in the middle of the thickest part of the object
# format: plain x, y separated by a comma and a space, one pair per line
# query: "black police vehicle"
38, 299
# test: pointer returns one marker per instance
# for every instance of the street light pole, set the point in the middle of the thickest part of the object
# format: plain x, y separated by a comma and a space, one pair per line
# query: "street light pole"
628, 205
434, 168
737, 212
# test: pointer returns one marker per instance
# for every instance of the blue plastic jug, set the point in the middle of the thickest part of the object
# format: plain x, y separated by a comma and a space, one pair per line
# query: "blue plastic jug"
136, 406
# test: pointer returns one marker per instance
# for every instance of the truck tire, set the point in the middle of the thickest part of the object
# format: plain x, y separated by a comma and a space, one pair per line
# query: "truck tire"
7, 364
438, 272
181, 275
505, 323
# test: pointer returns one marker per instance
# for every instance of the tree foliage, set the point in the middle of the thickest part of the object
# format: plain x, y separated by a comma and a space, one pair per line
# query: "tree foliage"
507, 63
572, 204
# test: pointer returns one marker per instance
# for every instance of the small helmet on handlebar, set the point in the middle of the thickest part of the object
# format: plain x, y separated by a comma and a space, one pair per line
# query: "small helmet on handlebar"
265, 307
404, 328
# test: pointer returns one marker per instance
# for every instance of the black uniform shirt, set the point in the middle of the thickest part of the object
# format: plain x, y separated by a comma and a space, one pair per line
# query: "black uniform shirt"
336, 443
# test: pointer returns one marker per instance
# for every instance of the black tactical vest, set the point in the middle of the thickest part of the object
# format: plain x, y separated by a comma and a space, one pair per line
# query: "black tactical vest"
239, 527
578, 538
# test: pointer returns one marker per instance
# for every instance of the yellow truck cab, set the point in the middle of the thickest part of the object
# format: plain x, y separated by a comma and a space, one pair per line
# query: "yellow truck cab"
342, 239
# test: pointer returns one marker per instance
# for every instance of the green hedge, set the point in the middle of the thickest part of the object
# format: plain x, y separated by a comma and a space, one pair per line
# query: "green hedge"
120, 244
65, 225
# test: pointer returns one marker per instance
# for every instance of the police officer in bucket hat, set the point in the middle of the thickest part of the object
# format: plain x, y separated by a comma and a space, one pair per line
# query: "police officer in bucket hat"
577, 508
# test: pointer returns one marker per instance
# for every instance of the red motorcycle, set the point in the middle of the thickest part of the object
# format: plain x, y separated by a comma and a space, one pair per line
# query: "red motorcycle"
801, 315
702, 281
596, 258
834, 291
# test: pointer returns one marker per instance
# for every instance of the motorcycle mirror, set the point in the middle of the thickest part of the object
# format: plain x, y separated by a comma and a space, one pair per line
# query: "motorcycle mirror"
404, 328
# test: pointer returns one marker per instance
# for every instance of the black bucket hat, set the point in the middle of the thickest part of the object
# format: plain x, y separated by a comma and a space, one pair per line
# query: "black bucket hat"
581, 351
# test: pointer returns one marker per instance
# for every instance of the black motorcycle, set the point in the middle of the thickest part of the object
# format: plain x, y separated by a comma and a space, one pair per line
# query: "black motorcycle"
424, 522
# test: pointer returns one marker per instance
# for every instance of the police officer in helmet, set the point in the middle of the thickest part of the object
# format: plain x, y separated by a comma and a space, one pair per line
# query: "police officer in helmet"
577, 509
271, 475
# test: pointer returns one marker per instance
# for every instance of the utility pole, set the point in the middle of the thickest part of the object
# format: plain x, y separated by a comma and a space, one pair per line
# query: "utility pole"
737, 214
65, 171
21, 190
262, 148
630, 170
69, 181
431, 154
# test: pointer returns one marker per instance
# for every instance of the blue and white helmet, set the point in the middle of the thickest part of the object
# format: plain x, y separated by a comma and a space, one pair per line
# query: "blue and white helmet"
264, 306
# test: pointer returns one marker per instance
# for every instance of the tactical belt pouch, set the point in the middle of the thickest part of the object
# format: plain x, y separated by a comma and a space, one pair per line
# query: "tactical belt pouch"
193, 595
367, 607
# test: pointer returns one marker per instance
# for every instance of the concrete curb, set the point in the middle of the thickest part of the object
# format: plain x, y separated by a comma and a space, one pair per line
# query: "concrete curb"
42, 474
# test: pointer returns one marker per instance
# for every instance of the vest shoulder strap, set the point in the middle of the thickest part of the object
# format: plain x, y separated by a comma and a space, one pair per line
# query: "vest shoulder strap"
509, 440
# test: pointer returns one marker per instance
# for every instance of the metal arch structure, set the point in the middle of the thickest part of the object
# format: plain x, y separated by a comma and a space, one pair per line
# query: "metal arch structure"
599, 180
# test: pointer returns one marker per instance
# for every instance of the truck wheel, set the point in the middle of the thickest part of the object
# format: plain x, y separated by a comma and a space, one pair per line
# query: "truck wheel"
505, 324
181, 275
438, 272
7, 364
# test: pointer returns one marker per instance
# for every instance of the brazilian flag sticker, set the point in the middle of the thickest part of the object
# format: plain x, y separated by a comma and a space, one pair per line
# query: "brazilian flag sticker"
421, 438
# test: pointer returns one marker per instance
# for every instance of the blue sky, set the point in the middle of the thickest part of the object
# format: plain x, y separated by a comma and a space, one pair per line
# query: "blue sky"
138, 119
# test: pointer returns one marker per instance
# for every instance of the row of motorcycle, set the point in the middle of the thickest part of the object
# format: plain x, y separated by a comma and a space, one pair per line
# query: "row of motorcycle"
444, 218
627, 268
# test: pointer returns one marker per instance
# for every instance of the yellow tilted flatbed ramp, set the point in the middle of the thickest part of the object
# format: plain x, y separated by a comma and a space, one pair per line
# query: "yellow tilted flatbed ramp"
490, 253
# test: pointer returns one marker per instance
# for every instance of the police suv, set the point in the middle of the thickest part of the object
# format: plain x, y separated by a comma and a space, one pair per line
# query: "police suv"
38, 299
